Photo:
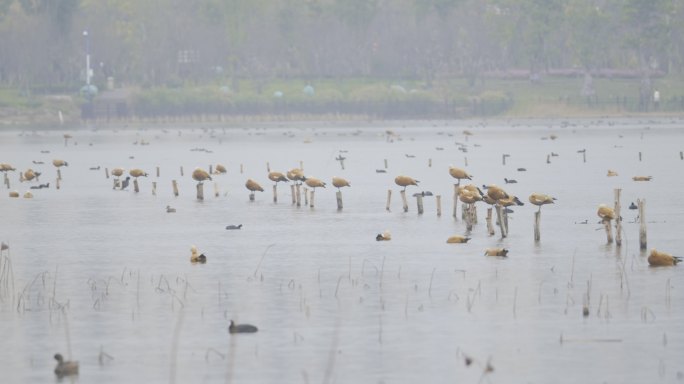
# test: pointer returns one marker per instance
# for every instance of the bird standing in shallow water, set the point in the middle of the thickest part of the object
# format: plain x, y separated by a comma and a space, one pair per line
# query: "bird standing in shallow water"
405, 181
124, 183
65, 368
241, 328
170, 210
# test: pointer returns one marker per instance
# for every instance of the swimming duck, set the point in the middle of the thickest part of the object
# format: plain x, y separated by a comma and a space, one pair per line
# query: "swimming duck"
197, 257
239, 226
457, 239
662, 259
65, 368
241, 328
496, 252
384, 236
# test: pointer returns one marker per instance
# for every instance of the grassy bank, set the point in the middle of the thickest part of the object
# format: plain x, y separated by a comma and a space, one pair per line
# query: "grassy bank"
384, 99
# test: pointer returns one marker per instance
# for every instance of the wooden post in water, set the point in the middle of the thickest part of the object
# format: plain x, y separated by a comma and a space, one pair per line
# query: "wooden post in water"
537, 231
389, 198
311, 198
419, 203
154, 188
107, 173
175, 187
641, 204
455, 214
490, 227
403, 199
467, 210
500, 219
135, 185
200, 191
618, 218
438, 200
181, 170
298, 194
275, 192
609, 230
338, 195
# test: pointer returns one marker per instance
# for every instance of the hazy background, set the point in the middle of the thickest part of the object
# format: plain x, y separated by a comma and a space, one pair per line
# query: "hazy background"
166, 42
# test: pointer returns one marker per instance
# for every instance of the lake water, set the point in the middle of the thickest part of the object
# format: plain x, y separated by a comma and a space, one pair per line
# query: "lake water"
103, 276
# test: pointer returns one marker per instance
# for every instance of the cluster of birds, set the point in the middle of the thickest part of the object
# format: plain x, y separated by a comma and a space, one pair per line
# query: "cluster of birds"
30, 175
295, 175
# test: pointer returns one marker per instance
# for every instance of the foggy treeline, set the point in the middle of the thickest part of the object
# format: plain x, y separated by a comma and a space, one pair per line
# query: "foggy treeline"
160, 42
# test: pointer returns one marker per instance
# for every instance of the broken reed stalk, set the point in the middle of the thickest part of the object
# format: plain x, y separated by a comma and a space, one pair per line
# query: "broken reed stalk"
403, 199
389, 198
618, 218
641, 204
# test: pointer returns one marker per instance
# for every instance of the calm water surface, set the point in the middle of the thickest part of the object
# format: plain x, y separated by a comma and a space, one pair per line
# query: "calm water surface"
103, 275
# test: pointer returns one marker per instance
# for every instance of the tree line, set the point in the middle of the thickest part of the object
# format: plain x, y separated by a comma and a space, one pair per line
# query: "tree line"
175, 42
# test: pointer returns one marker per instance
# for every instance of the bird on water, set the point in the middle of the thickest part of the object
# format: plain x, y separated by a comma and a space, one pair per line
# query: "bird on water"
241, 328
65, 368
